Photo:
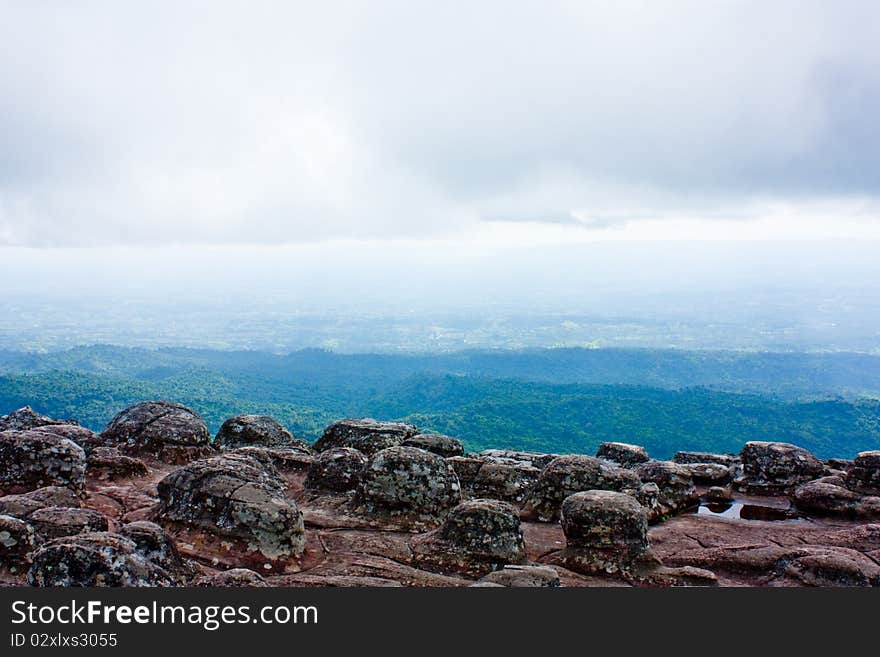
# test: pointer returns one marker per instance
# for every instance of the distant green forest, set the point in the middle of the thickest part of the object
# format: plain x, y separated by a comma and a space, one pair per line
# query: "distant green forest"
556, 400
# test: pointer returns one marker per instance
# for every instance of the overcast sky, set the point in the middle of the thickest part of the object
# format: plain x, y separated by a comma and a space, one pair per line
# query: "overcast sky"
252, 122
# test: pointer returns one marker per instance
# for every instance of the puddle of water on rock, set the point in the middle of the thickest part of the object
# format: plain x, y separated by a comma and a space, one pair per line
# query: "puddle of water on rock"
742, 511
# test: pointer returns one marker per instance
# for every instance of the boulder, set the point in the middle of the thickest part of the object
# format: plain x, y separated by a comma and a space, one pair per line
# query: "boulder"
336, 470
719, 494
17, 541
834, 567
675, 485
409, 485
622, 453
510, 482
864, 474
476, 537
570, 474
57, 521
238, 498
436, 443
823, 498
24, 504
365, 435
171, 432
27, 418
108, 464
605, 531
709, 474
95, 559
704, 457
233, 578
516, 576
36, 458
283, 459
776, 468
155, 544
257, 431
514, 457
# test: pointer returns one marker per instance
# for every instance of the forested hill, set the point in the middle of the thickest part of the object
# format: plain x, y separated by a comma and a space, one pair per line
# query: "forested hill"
551, 400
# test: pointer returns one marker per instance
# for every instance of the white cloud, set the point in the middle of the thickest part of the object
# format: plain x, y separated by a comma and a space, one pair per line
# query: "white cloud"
283, 122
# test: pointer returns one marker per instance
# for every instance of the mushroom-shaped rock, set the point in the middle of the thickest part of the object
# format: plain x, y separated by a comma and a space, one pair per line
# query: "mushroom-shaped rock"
622, 453
35, 458
365, 435
171, 432
570, 474
503, 481
108, 464
24, 504
17, 540
28, 418
336, 470
238, 498
776, 468
864, 474
256, 430
676, 490
409, 485
605, 531
436, 443
95, 559
57, 521
233, 578
477, 537
516, 576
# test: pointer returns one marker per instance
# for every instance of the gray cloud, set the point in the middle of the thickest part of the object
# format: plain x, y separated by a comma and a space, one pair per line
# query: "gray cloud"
270, 122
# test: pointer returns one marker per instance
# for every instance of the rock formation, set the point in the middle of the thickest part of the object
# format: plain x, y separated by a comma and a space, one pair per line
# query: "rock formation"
151, 502
366, 435
171, 432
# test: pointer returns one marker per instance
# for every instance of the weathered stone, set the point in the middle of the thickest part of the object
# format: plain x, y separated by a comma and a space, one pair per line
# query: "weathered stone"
365, 435
515, 457
864, 474
95, 559
336, 470
436, 443
622, 453
17, 540
27, 418
409, 484
466, 468
719, 494
477, 536
234, 578
155, 544
108, 464
822, 498
570, 474
284, 459
515, 576
24, 504
235, 497
57, 521
708, 473
834, 568
171, 432
704, 457
503, 481
35, 458
776, 468
676, 487
257, 431
605, 531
